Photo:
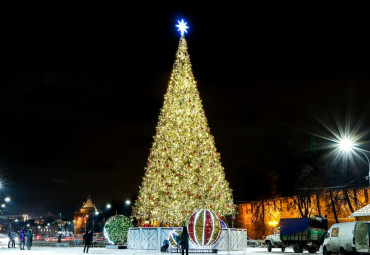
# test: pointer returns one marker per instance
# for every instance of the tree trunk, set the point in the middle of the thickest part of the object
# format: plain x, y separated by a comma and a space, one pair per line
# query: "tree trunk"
307, 200
333, 206
355, 199
318, 203
297, 200
346, 197
263, 217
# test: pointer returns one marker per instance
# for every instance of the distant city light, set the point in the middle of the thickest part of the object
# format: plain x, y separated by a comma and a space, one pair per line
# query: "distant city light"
96, 212
109, 206
3, 205
7, 199
128, 202
28, 225
16, 220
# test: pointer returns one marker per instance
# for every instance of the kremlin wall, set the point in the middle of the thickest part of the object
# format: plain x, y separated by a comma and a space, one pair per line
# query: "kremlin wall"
261, 217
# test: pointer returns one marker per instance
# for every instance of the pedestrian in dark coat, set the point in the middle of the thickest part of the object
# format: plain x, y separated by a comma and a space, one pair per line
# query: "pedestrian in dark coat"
13, 239
21, 239
184, 241
87, 238
10, 239
29, 239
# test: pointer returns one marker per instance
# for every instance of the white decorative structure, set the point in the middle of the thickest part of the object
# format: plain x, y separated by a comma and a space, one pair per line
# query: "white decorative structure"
363, 212
151, 239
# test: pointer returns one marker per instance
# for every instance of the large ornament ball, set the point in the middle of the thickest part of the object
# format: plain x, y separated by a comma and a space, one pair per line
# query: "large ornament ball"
116, 229
173, 236
204, 228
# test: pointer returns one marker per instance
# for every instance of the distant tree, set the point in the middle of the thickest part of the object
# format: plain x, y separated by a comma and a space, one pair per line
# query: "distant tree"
306, 184
259, 218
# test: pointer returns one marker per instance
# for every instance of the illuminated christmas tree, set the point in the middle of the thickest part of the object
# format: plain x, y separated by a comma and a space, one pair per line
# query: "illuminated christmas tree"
184, 171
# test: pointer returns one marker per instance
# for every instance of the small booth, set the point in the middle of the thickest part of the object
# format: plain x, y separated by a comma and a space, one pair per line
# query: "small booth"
362, 215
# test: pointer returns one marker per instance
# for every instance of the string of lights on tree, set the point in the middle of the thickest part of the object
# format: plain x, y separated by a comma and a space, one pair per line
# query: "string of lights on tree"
184, 171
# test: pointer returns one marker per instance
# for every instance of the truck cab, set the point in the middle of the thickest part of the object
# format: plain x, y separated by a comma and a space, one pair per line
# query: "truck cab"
273, 240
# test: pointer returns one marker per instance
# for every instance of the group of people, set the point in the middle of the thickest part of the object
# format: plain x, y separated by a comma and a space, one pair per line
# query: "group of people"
24, 239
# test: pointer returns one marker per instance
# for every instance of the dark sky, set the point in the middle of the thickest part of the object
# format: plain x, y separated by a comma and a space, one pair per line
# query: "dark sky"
81, 89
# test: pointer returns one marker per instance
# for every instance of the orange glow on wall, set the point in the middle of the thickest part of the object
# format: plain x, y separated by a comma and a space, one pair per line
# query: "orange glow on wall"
257, 216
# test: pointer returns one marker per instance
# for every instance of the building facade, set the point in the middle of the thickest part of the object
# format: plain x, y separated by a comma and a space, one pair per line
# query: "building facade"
82, 218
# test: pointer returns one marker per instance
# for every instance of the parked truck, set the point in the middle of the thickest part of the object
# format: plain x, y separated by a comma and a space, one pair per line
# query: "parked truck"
301, 233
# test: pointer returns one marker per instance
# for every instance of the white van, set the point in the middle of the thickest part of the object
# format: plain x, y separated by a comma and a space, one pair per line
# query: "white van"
347, 237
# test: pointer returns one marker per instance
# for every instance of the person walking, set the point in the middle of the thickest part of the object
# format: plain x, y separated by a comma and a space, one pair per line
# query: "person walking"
184, 241
29, 239
21, 239
87, 238
13, 239
60, 240
10, 239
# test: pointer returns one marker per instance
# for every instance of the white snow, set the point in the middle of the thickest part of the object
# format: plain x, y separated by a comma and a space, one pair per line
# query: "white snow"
78, 250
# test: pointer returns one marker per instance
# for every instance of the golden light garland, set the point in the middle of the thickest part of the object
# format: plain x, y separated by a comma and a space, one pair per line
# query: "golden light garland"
184, 171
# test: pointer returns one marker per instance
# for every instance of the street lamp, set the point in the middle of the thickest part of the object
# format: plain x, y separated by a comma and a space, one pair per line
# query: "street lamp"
347, 145
128, 202
109, 206
7, 199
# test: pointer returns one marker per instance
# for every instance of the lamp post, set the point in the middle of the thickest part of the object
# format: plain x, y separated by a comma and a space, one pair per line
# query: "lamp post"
4, 201
347, 145
109, 206
127, 207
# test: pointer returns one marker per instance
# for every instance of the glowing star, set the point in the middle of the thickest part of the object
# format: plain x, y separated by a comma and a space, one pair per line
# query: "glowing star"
182, 27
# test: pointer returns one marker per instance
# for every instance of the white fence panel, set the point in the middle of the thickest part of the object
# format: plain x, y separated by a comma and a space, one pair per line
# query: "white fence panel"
231, 239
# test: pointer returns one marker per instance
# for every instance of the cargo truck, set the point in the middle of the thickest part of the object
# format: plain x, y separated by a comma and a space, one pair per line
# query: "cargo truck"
301, 233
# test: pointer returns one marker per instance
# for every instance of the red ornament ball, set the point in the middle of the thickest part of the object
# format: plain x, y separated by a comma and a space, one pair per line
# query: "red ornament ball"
204, 228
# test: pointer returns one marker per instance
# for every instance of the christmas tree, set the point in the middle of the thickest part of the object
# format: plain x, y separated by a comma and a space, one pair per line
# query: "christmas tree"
184, 171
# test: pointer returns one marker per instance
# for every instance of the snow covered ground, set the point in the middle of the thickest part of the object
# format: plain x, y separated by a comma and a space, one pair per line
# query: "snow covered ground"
78, 250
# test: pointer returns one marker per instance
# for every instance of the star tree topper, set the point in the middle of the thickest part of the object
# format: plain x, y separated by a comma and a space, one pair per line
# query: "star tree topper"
182, 27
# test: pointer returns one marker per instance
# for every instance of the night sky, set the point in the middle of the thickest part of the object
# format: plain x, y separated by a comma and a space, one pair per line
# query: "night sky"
81, 89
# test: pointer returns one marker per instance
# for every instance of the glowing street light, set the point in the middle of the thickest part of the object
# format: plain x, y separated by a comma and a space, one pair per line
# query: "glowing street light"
3, 205
128, 202
347, 145
109, 206
7, 199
